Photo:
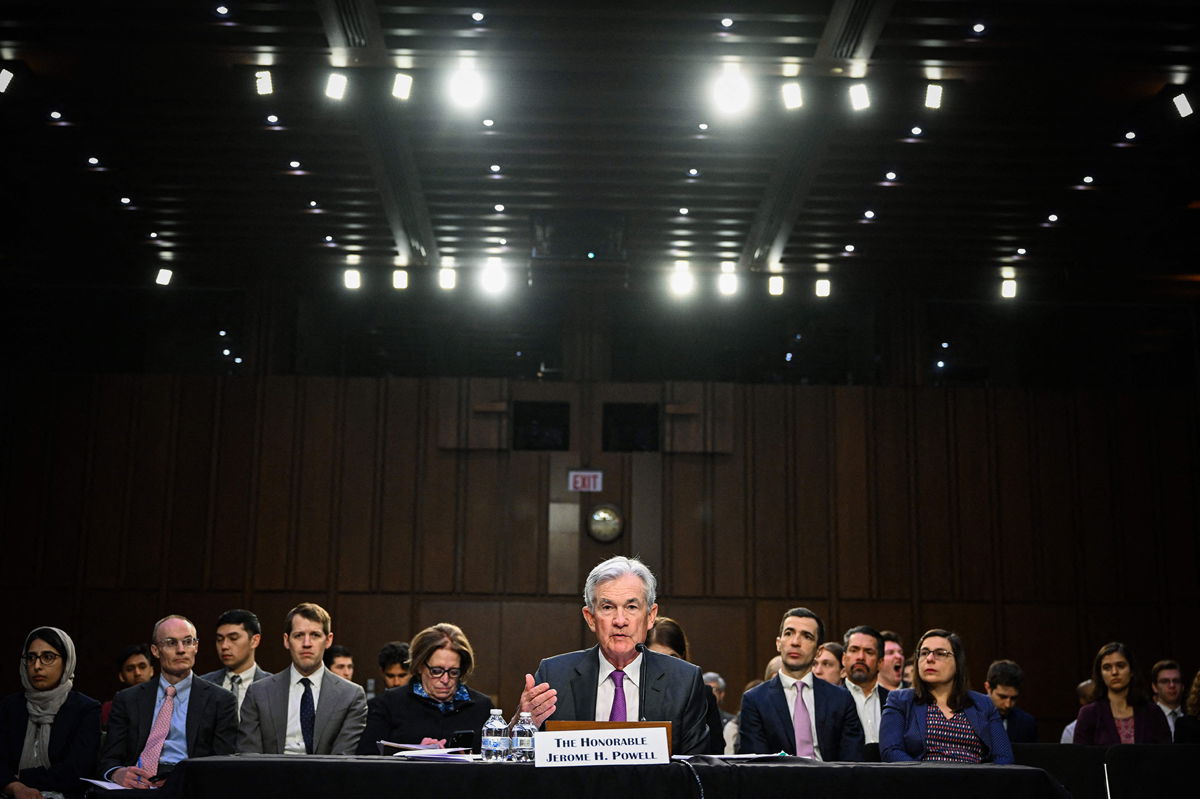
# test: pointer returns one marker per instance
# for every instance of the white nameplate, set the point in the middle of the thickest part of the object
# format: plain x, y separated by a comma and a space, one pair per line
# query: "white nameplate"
635, 746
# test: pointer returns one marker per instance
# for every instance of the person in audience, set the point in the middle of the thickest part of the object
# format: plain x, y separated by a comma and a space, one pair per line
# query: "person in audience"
1003, 686
732, 735
620, 679
238, 636
49, 733
827, 665
1084, 692
393, 664
157, 724
891, 669
772, 668
1187, 728
1119, 712
716, 684
435, 705
667, 638
1166, 684
906, 678
305, 709
340, 660
939, 718
133, 668
795, 712
861, 661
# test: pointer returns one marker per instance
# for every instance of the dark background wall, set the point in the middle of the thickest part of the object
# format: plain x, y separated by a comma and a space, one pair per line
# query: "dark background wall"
1038, 524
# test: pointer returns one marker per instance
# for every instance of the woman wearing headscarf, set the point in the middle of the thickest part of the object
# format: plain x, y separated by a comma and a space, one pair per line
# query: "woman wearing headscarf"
49, 734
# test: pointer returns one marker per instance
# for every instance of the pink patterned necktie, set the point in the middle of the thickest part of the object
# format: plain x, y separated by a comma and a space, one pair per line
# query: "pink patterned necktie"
158, 733
618, 705
800, 720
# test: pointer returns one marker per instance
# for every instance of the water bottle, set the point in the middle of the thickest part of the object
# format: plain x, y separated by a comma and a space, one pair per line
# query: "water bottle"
495, 738
522, 739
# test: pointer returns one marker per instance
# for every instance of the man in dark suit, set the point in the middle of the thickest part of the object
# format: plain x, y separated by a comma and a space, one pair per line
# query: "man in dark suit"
238, 635
619, 679
1003, 686
864, 648
189, 717
794, 712
306, 709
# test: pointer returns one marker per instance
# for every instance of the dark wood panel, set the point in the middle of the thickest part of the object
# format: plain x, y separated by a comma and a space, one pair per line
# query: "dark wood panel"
770, 487
439, 511
319, 450
935, 541
236, 482
892, 494
1099, 555
852, 492
809, 551
975, 521
731, 542
1048, 690
1135, 500
276, 474
365, 622
1054, 492
1175, 458
358, 484
109, 481
25, 468
147, 533
974, 622
1016, 545
687, 516
191, 483
486, 520
401, 473
530, 631
718, 637
63, 525
525, 557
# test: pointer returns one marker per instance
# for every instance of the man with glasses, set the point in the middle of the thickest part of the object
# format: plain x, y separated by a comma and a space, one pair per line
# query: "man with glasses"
161, 722
306, 709
1166, 683
619, 679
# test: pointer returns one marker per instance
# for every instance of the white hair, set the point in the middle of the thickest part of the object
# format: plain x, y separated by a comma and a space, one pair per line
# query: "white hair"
615, 568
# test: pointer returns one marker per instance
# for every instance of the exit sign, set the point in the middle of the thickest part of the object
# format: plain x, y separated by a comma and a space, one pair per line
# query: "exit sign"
582, 480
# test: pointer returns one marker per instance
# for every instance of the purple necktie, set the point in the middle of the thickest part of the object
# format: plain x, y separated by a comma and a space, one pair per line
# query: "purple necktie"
804, 741
618, 708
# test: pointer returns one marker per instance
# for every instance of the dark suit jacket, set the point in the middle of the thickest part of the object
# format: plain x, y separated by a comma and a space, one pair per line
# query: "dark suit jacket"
211, 723
1095, 725
218, 677
341, 716
401, 716
902, 728
766, 724
1022, 728
74, 743
670, 689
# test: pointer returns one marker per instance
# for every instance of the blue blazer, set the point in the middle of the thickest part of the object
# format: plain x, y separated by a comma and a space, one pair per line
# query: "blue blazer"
902, 728
766, 722
74, 743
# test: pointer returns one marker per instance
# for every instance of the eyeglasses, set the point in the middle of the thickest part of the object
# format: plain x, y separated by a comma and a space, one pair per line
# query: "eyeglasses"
1169, 681
175, 643
47, 658
938, 654
438, 671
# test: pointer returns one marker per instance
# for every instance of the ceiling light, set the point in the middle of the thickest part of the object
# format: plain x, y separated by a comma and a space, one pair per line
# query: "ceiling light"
262, 82
494, 167
849, 248
493, 279
822, 286
1008, 289
1052, 218
352, 278
890, 175
447, 261
329, 238
941, 364
683, 212
164, 277
979, 27
55, 115
916, 131
153, 235
353, 258
822, 267
703, 126
1181, 101
1130, 135
499, 208
335, 87
222, 333
126, 200
945, 345
477, 16
775, 285
94, 161
294, 164
792, 97
693, 172
1008, 273
726, 22
226, 352
312, 203
466, 85
487, 123
222, 10
731, 90
272, 119
933, 95
402, 86
682, 281
859, 98
237, 360
6, 77
447, 279
727, 283
400, 279
869, 214
1021, 251
1088, 178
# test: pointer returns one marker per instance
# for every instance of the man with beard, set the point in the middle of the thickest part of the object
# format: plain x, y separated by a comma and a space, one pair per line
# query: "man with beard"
861, 662
795, 712
891, 669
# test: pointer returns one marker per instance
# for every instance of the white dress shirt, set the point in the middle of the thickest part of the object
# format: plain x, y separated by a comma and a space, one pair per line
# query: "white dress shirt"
789, 693
293, 742
605, 692
239, 691
869, 710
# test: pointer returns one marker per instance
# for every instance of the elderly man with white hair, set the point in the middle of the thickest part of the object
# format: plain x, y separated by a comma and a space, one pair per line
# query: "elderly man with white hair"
619, 679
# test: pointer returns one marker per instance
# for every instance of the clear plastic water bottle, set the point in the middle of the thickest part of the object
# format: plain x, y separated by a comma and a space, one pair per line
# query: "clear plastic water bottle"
495, 738
522, 739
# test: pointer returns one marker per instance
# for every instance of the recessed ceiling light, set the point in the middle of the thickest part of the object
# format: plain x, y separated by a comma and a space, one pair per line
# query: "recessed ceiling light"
353, 259
466, 87
222, 333
294, 164
1181, 102
262, 82
503, 241
727, 283
1021, 251
164, 277
312, 203
916, 131
6, 77
849, 248
941, 364
694, 172
477, 16
775, 285
329, 238
447, 279
237, 359
272, 119
126, 201
945, 345
822, 287
731, 92
1008, 289
1052, 218
933, 96
494, 167
890, 175
94, 161
979, 27
726, 22
402, 86
55, 115
869, 214
335, 87
1008, 273
1130, 135
683, 212
153, 235
487, 123
792, 96
352, 279
859, 97
499, 208
222, 10
703, 126
1087, 178
226, 352
400, 279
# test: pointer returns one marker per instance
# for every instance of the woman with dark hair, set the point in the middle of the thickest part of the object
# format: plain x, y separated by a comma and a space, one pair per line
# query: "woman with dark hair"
1187, 728
939, 719
1119, 712
50, 734
436, 703
667, 638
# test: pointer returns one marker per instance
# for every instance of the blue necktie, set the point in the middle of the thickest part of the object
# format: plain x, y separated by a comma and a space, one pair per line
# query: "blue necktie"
308, 715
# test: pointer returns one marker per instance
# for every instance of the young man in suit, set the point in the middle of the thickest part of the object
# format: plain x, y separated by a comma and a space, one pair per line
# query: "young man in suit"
161, 722
238, 635
619, 679
1003, 686
794, 712
305, 709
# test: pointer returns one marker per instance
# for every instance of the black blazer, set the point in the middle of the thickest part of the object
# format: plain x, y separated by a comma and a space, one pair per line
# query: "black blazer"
1022, 728
211, 723
74, 743
400, 716
766, 725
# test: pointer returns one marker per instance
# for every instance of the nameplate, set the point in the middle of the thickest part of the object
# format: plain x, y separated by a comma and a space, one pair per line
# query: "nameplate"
632, 746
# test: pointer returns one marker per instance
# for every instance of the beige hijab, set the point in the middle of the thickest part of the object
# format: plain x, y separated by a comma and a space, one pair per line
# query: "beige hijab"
43, 705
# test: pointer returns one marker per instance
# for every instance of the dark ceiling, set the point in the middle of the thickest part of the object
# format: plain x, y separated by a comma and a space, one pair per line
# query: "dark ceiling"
596, 115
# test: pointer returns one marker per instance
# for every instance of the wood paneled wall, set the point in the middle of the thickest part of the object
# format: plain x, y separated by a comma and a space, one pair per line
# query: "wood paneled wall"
1039, 525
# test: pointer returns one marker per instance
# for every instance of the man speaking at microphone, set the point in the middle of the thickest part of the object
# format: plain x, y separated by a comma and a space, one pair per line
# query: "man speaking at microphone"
619, 679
